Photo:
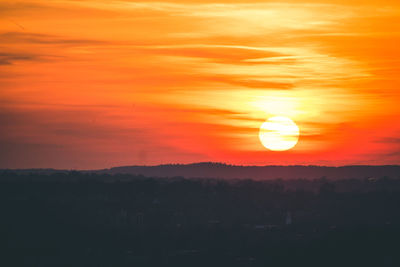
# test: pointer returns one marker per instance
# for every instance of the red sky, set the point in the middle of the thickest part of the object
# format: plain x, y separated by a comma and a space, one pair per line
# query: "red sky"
94, 84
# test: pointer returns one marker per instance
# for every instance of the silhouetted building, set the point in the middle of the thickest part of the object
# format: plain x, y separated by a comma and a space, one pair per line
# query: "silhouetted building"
138, 220
288, 220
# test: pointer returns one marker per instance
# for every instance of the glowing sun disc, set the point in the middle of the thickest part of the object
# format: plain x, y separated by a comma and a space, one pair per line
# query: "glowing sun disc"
279, 133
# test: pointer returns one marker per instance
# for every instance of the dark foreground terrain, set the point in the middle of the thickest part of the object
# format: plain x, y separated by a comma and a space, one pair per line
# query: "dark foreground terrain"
85, 219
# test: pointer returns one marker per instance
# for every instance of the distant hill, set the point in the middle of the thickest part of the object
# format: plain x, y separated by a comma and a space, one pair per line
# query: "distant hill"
224, 171
218, 170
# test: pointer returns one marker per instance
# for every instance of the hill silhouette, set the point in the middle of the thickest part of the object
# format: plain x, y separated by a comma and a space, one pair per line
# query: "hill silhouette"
225, 171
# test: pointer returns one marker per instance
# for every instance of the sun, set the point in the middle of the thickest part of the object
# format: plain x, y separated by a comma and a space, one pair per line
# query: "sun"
279, 133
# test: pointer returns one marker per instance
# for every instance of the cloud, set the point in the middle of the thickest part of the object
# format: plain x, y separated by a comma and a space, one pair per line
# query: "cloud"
390, 140
18, 7
9, 58
216, 53
36, 38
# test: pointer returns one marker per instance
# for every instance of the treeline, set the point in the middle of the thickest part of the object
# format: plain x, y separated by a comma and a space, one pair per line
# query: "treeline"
383, 183
86, 219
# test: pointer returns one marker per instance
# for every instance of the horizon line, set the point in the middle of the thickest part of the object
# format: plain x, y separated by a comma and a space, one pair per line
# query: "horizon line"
205, 162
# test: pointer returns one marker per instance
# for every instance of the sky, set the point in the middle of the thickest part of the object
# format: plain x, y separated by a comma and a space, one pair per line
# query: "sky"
95, 84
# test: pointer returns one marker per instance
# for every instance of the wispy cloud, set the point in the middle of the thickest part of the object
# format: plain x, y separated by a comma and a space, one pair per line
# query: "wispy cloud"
37, 38
9, 58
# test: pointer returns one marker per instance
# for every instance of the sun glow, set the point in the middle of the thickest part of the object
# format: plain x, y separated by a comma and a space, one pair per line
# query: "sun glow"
279, 133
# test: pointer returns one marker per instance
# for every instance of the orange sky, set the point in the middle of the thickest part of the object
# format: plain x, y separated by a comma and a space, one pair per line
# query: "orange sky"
94, 84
